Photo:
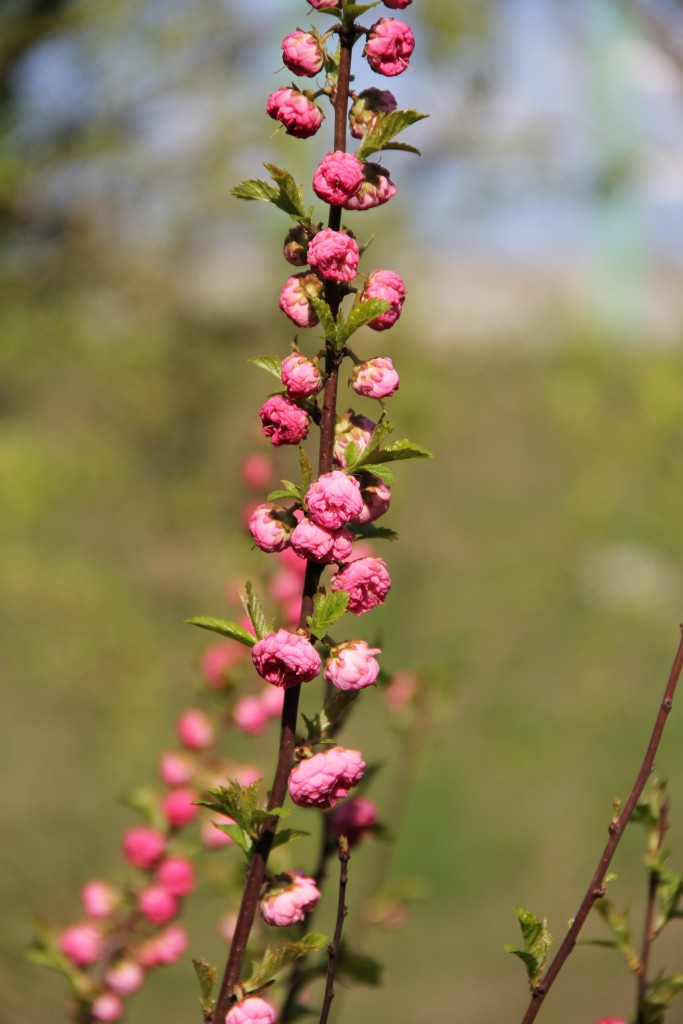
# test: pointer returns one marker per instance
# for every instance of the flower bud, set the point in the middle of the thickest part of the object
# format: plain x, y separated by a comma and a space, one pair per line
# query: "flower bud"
253, 1009
143, 846
211, 836
257, 470
284, 422
217, 660
325, 778
376, 497
195, 729
300, 376
99, 898
300, 117
389, 46
376, 378
334, 255
250, 716
376, 188
397, 5
286, 659
125, 977
352, 666
288, 901
295, 246
351, 427
271, 527
295, 299
82, 943
302, 53
354, 819
176, 875
318, 544
179, 807
338, 177
157, 904
334, 499
365, 108
176, 769
385, 284
366, 581
107, 1007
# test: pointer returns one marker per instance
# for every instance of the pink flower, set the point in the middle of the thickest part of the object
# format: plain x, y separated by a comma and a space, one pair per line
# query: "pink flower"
376, 378
176, 875
257, 470
179, 806
353, 819
175, 769
389, 46
302, 53
272, 698
611, 1020
250, 716
99, 898
253, 1009
217, 660
300, 117
385, 284
351, 427
82, 943
351, 665
143, 846
365, 108
400, 692
107, 1007
321, 5
284, 906
284, 422
212, 837
334, 499
376, 499
397, 5
319, 544
125, 977
376, 188
157, 904
286, 659
271, 527
338, 177
195, 729
334, 255
325, 778
300, 376
165, 948
295, 301
366, 581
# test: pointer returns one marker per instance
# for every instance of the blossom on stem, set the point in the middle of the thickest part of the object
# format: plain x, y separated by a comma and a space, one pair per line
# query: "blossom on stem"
351, 427
217, 660
82, 943
176, 875
271, 527
249, 715
284, 906
334, 255
285, 659
325, 778
99, 898
338, 176
107, 1007
143, 846
257, 470
284, 422
295, 299
300, 376
195, 729
302, 53
320, 544
366, 581
179, 807
334, 499
376, 188
157, 904
252, 1010
389, 46
397, 5
376, 497
354, 819
385, 284
175, 769
164, 948
125, 976
352, 665
300, 117
321, 5
365, 108
375, 378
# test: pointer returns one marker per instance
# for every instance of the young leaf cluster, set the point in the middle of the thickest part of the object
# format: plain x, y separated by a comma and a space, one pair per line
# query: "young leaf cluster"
537, 942
241, 804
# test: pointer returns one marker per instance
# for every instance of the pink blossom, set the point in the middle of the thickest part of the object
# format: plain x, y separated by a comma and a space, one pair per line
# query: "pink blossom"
195, 729
400, 692
157, 904
286, 659
125, 977
351, 427
176, 875
165, 948
325, 778
107, 1007
271, 527
295, 299
334, 255
227, 925
300, 117
300, 376
272, 698
366, 581
611, 1020
385, 284
377, 188
179, 806
351, 665
245, 774
376, 378
397, 5
302, 53
212, 837
283, 421
284, 906
334, 499
250, 716
99, 898
389, 46
253, 1009
365, 108
257, 470
353, 819
295, 246
338, 177
319, 544
82, 943
376, 499
143, 846
175, 769
217, 660
321, 5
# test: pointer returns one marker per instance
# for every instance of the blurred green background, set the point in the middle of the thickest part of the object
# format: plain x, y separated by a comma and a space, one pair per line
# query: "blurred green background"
538, 576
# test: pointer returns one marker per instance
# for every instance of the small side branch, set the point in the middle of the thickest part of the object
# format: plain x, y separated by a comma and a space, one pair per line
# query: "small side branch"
333, 948
654, 880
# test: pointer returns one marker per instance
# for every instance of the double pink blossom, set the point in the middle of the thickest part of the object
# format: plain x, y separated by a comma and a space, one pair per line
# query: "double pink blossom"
366, 581
389, 46
334, 499
325, 778
99, 898
284, 422
82, 943
143, 846
285, 659
385, 284
376, 500
282, 906
300, 376
253, 1009
334, 255
271, 527
176, 875
176, 769
338, 176
157, 904
375, 378
302, 53
300, 117
354, 819
376, 188
250, 715
195, 729
365, 108
352, 665
295, 299
320, 544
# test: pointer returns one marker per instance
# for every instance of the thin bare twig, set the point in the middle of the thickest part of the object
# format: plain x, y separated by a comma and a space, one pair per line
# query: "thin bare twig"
333, 948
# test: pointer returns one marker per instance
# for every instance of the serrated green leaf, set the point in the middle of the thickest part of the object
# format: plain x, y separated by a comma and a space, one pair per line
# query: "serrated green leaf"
397, 451
324, 315
618, 923
334, 11
658, 997
306, 471
275, 960
326, 611
237, 802
355, 10
360, 314
207, 976
288, 835
252, 607
379, 434
284, 493
359, 967
669, 891
255, 188
238, 836
290, 196
261, 814
385, 128
384, 473
369, 531
537, 943
271, 364
229, 629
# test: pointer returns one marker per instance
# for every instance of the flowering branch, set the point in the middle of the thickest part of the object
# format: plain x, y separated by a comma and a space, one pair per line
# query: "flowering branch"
333, 948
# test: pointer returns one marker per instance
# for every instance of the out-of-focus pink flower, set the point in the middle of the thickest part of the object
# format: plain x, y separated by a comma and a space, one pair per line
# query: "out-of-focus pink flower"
611, 1020
284, 422
375, 378
157, 904
376, 500
176, 769
351, 427
352, 665
271, 527
99, 898
165, 948
179, 807
249, 715
217, 660
176, 874
295, 299
321, 5
143, 846
288, 901
125, 976
389, 46
272, 698
321, 545
365, 108
253, 1009
338, 177
334, 499
107, 1007
354, 819
245, 774
325, 778
385, 284
195, 729
334, 255
300, 376
211, 836
377, 188
257, 470
400, 692
285, 659
300, 117
302, 53
397, 5
82, 943
366, 581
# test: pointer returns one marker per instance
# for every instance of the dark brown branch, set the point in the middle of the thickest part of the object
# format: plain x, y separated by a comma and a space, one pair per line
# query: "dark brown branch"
654, 879
616, 829
333, 948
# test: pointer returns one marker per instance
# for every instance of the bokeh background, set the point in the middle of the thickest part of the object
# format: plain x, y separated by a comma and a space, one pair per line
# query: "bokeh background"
538, 581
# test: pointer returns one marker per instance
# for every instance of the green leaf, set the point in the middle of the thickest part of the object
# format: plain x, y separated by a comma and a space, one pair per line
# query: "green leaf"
255, 188
252, 607
384, 473
271, 364
306, 470
324, 315
401, 147
44, 950
326, 611
281, 493
379, 434
359, 967
398, 451
332, 710
355, 10
369, 531
290, 196
229, 629
288, 835
537, 942
238, 836
669, 892
238, 802
385, 128
207, 976
261, 814
361, 313
618, 924
275, 960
